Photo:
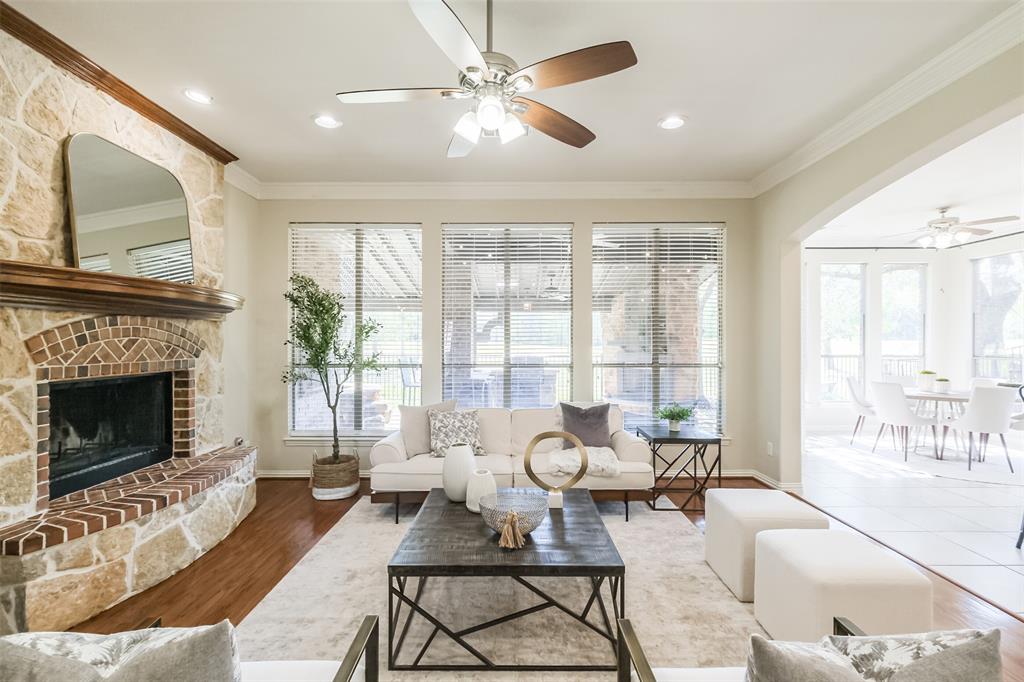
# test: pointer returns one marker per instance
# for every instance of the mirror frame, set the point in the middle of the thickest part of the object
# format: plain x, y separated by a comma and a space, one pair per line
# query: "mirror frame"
73, 219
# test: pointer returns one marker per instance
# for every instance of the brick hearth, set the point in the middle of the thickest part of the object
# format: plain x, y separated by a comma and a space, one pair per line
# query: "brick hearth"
122, 345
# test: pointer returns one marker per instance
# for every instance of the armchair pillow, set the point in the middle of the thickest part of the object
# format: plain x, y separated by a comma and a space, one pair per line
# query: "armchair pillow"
589, 424
415, 425
448, 428
200, 654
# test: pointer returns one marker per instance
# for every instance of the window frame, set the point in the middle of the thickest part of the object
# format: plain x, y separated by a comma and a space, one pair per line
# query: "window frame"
862, 364
355, 313
922, 358
976, 358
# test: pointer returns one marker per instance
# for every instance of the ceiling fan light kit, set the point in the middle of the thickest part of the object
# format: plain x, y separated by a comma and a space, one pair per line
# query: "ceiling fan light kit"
495, 81
945, 231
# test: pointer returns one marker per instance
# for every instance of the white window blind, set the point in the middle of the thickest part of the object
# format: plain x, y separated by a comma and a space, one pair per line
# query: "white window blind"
378, 269
998, 303
657, 318
99, 262
170, 261
507, 314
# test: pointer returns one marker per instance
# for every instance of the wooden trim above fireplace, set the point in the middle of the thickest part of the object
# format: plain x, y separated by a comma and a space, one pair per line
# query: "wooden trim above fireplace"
60, 53
29, 285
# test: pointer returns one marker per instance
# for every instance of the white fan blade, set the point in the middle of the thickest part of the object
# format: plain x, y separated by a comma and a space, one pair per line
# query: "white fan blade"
459, 147
441, 23
973, 230
989, 221
394, 95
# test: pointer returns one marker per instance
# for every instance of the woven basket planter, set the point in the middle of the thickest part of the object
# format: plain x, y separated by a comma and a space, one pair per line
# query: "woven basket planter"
332, 480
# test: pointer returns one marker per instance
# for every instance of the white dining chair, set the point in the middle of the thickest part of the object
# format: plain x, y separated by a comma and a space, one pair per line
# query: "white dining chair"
860, 405
988, 411
893, 411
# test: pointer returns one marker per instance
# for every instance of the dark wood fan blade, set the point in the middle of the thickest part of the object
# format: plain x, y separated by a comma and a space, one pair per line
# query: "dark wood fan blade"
552, 123
447, 30
581, 65
394, 95
989, 221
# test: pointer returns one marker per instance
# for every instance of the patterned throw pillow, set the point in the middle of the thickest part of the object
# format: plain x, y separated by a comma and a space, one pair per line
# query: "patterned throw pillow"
200, 654
449, 428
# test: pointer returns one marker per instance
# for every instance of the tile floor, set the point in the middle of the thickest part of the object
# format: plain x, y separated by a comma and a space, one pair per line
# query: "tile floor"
963, 529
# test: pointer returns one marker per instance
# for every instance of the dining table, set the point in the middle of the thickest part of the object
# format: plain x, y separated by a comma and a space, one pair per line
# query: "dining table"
945, 405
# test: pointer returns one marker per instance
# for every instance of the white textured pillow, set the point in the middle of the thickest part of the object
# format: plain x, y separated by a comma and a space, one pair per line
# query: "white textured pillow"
415, 425
200, 654
449, 428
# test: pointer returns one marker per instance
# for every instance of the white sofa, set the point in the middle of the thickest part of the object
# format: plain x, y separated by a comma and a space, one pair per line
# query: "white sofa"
504, 435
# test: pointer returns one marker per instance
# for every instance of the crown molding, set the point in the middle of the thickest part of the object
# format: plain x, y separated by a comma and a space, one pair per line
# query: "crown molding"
424, 191
977, 48
131, 215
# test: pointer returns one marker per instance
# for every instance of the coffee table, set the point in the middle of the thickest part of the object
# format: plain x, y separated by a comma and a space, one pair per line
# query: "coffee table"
446, 540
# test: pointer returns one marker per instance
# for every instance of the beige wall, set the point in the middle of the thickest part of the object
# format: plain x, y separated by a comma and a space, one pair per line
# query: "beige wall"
241, 218
794, 209
267, 312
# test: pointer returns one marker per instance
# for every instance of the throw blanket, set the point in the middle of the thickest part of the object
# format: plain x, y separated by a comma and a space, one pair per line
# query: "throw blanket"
601, 462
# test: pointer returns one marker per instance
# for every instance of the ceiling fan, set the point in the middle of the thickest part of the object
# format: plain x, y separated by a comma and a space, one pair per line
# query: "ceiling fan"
945, 231
496, 83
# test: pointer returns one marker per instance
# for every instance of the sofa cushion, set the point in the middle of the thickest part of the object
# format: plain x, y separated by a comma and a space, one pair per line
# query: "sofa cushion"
633, 476
495, 429
423, 472
528, 422
589, 424
451, 428
200, 654
796, 662
415, 425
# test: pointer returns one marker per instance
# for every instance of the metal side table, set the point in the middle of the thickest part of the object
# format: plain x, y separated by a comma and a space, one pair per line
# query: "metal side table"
696, 470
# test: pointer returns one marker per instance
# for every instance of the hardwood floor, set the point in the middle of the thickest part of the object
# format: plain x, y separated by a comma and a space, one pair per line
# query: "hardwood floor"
230, 580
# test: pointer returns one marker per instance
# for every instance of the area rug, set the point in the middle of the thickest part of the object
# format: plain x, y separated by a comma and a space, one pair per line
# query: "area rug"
683, 614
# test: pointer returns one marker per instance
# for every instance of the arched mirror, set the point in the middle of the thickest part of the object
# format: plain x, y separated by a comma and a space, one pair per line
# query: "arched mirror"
128, 215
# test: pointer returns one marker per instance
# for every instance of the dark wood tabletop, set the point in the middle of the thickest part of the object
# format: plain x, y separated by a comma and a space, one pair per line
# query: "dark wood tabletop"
446, 539
658, 432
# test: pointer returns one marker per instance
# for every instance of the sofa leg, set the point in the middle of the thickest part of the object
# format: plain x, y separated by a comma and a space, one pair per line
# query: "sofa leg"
398, 501
625, 498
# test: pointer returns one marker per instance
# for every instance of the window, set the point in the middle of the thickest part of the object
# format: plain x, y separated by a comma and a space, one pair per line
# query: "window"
507, 314
657, 318
378, 270
170, 261
842, 328
904, 300
999, 317
97, 263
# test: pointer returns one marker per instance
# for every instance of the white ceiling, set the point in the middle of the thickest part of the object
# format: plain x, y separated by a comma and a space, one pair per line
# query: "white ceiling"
755, 79
983, 178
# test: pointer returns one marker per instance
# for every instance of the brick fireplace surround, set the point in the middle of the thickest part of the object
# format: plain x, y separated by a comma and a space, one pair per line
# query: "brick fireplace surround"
86, 551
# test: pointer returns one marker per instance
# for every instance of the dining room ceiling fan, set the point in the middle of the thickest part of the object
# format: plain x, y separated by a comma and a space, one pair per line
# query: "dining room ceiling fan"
947, 230
495, 83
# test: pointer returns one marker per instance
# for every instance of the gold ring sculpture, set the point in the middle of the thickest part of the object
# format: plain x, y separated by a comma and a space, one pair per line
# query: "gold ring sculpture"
572, 481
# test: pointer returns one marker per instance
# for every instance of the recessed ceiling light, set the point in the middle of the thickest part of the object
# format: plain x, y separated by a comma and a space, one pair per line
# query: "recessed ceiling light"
326, 121
671, 122
198, 96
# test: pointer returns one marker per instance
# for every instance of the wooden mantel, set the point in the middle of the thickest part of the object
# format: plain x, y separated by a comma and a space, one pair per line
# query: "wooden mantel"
28, 285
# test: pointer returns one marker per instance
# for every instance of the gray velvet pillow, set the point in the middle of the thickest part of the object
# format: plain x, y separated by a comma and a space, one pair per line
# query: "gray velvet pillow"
415, 425
200, 654
589, 424
796, 662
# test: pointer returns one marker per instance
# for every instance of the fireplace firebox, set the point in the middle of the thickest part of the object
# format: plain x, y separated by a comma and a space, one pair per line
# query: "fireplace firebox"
105, 428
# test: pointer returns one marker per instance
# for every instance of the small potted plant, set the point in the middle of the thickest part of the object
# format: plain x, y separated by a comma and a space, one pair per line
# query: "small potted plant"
675, 413
317, 319
926, 380
942, 385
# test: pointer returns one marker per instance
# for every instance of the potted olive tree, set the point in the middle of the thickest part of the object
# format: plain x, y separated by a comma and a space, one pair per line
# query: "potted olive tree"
675, 413
317, 319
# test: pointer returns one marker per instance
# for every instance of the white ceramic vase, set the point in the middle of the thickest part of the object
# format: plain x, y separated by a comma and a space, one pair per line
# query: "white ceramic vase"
942, 387
926, 382
673, 424
458, 465
481, 482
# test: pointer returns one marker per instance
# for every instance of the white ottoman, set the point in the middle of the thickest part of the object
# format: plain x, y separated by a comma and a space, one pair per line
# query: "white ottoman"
734, 516
805, 578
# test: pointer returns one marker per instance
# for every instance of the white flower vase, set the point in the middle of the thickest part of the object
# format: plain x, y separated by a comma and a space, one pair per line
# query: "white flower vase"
481, 482
458, 465
673, 424
926, 382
